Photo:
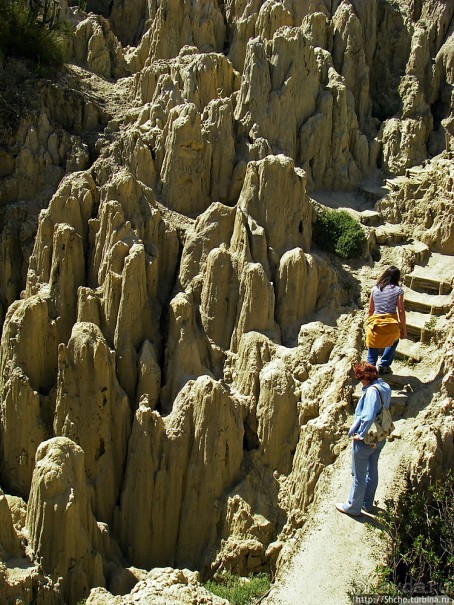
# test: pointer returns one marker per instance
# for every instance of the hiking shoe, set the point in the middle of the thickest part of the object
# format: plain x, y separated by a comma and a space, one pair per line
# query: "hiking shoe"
384, 370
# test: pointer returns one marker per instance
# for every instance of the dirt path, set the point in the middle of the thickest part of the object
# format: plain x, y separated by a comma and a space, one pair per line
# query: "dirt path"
337, 550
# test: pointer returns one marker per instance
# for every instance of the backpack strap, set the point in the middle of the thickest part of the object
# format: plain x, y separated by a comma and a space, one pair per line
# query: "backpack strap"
381, 398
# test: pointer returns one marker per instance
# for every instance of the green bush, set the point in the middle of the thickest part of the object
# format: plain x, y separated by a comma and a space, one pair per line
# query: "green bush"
29, 29
338, 232
419, 530
239, 590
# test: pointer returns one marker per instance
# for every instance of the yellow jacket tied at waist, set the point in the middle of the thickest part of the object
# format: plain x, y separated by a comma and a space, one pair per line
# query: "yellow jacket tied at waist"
382, 330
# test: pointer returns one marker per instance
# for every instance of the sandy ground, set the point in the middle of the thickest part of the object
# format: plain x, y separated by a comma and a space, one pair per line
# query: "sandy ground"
336, 550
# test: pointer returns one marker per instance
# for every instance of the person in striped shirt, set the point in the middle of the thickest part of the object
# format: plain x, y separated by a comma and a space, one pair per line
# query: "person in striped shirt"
386, 322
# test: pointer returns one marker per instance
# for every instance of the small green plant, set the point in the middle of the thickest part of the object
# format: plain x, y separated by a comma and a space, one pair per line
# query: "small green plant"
419, 537
431, 323
338, 232
239, 590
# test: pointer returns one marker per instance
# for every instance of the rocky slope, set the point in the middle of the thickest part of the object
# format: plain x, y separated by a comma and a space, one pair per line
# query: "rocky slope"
175, 361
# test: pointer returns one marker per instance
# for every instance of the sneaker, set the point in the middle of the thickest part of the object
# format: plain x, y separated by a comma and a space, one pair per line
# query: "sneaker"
341, 509
384, 370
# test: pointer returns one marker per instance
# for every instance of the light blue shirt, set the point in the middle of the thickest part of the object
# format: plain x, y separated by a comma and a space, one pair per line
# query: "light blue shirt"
369, 407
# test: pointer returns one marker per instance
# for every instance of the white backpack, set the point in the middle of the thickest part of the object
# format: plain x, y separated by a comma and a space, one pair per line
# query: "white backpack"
382, 426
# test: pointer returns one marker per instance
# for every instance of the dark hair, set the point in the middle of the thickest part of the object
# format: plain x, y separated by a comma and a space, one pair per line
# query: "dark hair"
390, 276
365, 370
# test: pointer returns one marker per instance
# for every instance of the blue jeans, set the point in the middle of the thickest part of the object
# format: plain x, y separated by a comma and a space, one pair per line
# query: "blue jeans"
387, 357
365, 476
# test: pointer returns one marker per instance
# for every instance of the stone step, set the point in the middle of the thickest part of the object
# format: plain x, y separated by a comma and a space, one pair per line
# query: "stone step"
398, 400
433, 304
400, 381
416, 174
416, 323
409, 351
427, 283
422, 327
396, 183
419, 251
437, 275
371, 218
398, 404
390, 235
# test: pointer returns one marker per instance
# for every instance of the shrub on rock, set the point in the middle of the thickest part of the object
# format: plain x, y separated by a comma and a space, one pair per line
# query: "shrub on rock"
338, 232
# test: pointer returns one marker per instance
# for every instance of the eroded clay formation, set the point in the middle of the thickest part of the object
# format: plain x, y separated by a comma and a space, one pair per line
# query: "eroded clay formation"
175, 365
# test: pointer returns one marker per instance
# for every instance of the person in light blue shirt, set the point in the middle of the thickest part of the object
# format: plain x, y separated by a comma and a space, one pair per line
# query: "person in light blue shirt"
364, 456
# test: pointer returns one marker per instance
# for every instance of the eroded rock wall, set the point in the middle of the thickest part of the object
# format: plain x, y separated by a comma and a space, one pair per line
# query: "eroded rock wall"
62, 530
168, 392
422, 202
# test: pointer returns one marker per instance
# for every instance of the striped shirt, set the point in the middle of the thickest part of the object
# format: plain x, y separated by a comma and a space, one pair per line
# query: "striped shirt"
385, 301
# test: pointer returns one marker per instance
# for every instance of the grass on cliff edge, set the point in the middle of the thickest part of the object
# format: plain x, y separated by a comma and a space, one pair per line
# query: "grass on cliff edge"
239, 590
338, 232
23, 34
